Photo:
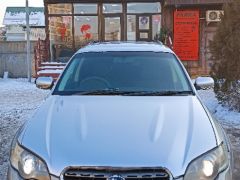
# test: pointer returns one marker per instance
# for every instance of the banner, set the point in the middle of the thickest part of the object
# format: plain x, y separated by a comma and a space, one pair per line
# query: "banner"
186, 34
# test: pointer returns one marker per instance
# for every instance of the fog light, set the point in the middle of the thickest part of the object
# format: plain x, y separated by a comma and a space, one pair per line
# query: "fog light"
208, 168
28, 165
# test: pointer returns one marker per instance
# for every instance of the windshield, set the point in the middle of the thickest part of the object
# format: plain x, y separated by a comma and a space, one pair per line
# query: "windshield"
123, 72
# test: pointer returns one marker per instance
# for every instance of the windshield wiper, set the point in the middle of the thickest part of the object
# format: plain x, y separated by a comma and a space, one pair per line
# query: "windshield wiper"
113, 91
161, 93
116, 91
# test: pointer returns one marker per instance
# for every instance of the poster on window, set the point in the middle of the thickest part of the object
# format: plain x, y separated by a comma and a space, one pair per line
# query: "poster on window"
186, 34
144, 23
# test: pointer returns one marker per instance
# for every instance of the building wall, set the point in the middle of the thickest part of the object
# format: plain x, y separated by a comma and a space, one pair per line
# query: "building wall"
206, 33
206, 30
13, 58
18, 33
15, 33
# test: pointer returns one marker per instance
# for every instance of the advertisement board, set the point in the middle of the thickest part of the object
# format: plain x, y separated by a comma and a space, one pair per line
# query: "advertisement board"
186, 34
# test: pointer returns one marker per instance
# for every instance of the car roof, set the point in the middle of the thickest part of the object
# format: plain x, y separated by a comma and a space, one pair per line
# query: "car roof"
125, 46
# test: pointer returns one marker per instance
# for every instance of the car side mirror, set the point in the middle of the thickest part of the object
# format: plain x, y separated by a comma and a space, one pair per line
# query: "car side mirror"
44, 82
204, 83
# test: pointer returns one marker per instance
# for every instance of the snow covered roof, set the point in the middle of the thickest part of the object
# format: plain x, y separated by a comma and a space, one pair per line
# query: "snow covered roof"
17, 16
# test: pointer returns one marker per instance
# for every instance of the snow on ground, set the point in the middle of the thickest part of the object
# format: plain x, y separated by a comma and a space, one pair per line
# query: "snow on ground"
19, 99
220, 112
230, 120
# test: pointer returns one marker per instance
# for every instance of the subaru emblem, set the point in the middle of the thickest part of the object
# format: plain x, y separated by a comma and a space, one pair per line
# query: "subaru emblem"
115, 177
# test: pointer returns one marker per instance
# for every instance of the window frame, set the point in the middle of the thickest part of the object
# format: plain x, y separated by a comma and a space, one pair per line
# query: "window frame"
101, 15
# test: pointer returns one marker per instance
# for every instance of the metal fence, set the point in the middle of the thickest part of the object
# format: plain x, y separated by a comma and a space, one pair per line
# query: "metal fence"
13, 58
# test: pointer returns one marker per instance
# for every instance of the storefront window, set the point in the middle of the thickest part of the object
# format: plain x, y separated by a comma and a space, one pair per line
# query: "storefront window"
82, 20
144, 7
86, 30
131, 27
156, 25
112, 28
112, 8
60, 8
144, 22
60, 34
85, 8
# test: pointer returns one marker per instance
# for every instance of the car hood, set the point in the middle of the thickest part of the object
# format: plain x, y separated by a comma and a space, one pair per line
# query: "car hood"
119, 131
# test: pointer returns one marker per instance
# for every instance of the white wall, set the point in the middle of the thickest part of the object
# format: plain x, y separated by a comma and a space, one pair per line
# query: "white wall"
17, 33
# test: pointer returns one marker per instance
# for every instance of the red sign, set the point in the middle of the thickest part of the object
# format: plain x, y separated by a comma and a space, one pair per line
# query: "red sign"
62, 30
186, 34
84, 30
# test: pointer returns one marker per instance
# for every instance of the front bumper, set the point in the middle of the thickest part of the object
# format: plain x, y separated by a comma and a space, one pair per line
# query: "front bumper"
13, 175
225, 175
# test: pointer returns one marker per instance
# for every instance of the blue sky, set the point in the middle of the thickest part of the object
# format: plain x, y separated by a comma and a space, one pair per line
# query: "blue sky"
16, 3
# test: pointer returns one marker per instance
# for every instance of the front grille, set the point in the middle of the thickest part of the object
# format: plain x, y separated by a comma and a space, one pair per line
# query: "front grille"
121, 173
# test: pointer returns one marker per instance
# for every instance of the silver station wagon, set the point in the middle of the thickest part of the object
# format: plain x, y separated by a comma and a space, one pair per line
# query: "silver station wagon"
122, 111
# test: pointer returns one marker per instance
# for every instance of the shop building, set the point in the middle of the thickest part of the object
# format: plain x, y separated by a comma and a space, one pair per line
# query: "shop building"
15, 23
192, 25
71, 24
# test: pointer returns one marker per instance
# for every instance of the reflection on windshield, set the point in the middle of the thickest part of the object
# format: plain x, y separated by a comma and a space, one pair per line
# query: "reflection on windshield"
123, 72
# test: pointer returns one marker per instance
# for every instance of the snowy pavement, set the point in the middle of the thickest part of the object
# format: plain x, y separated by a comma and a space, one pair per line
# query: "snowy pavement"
230, 121
19, 99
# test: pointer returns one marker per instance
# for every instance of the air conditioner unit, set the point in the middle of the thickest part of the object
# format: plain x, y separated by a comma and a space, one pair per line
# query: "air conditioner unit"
214, 15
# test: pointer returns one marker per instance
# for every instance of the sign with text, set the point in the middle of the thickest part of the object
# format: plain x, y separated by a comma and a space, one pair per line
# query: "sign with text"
186, 34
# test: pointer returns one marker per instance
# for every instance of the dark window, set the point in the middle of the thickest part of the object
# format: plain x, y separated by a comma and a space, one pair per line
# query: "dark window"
126, 71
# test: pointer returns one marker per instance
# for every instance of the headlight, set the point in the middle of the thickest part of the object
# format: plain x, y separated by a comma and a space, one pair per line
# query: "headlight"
208, 166
28, 165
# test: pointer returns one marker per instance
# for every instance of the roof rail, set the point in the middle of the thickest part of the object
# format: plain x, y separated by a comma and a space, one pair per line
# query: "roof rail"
99, 41
94, 42
159, 42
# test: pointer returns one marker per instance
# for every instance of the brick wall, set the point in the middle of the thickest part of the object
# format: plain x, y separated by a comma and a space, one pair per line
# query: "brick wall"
202, 67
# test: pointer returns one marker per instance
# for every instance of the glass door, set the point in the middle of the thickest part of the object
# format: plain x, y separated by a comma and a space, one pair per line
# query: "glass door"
144, 28
112, 28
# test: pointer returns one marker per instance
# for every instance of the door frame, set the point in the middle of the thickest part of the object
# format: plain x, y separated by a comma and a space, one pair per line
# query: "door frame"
138, 31
120, 15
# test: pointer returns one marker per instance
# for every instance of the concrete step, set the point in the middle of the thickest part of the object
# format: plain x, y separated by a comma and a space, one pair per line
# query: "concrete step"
50, 71
53, 64
50, 67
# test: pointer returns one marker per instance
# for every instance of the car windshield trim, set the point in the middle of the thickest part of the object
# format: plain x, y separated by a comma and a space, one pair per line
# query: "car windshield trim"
56, 92
126, 93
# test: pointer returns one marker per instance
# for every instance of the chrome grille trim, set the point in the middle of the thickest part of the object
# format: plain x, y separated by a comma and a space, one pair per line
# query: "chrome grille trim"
101, 173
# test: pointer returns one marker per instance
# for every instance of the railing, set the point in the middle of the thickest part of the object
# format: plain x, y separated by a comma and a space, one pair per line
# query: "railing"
41, 54
43, 67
